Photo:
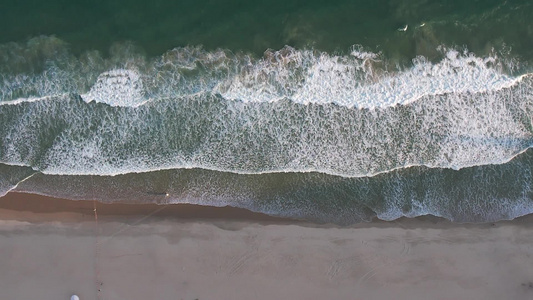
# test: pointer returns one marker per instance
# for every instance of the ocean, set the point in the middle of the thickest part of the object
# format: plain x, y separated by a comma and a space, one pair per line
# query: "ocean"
337, 112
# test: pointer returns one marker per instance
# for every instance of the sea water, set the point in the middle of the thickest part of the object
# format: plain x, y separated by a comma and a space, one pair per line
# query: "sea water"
337, 112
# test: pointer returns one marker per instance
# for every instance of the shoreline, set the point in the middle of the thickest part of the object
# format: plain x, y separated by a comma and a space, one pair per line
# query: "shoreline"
22, 206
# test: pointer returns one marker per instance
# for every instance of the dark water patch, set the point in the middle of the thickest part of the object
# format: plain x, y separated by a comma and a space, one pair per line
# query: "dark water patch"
253, 26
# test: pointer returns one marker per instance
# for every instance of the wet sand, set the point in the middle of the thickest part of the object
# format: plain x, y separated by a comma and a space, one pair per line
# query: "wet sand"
53, 248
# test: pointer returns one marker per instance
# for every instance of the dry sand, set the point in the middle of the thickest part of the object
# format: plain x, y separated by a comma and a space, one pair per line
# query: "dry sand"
51, 249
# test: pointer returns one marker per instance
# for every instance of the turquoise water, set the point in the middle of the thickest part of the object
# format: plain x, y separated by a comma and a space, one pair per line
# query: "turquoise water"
332, 112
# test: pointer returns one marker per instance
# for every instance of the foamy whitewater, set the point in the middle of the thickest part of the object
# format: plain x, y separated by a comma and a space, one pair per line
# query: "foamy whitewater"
295, 133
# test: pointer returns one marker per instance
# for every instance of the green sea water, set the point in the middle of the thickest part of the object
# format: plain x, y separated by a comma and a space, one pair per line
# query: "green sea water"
254, 26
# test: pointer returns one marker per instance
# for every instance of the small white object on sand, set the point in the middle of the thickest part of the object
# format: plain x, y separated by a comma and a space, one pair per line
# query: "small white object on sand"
74, 297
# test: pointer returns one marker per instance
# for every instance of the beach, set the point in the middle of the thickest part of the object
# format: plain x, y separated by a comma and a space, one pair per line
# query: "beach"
52, 249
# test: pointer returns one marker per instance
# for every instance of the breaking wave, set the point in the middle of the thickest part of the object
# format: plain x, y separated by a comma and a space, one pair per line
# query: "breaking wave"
298, 133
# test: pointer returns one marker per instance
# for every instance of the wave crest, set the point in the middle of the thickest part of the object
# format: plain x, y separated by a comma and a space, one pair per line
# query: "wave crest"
65, 135
360, 79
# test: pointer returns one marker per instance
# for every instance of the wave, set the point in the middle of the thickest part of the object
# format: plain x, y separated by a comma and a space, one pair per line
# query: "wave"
297, 133
477, 194
292, 110
361, 79
66, 135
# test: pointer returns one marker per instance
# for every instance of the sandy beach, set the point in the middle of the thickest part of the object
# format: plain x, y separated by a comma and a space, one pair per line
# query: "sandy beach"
53, 248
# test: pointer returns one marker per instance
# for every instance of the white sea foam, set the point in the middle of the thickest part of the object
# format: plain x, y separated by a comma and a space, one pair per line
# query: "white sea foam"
355, 81
450, 131
361, 79
23, 100
117, 88
463, 111
329, 81
289, 111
